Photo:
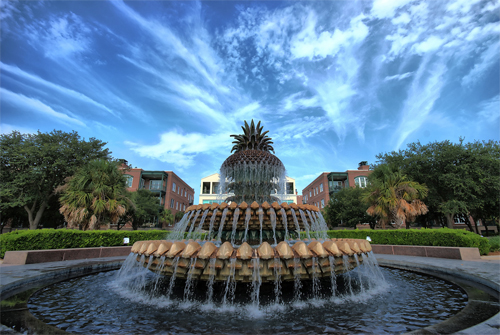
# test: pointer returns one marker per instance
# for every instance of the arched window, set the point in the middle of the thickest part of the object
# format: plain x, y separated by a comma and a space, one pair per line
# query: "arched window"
129, 179
361, 181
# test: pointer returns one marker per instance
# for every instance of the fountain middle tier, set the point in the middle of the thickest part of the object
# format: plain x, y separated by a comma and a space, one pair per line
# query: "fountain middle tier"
288, 260
253, 216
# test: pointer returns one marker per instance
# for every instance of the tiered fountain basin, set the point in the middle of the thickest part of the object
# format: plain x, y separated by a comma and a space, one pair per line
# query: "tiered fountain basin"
288, 260
252, 218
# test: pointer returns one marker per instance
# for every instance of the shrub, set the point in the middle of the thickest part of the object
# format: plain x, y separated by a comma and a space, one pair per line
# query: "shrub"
494, 242
443, 237
66, 238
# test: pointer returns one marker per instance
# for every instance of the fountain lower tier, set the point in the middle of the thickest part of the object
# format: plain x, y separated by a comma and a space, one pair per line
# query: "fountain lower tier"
206, 261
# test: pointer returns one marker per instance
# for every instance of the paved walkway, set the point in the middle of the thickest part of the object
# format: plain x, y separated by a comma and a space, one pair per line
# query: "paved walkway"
15, 277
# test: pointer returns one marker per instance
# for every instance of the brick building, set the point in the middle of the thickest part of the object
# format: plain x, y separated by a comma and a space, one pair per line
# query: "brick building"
174, 193
319, 191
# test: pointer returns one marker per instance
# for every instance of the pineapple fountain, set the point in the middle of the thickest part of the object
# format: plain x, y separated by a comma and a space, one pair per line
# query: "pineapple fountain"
251, 237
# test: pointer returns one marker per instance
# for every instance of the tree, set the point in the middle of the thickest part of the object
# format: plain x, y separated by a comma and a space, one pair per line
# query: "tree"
95, 195
33, 165
348, 208
166, 217
463, 179
393, 197
178, 216
147, 206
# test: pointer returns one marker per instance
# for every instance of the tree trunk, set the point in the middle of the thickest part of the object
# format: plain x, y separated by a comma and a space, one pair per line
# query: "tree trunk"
35, 221
449, 221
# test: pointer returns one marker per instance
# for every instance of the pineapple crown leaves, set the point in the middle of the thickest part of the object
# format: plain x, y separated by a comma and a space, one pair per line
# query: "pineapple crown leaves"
252, 139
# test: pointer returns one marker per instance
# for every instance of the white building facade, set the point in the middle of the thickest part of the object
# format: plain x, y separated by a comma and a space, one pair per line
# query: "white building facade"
209, 191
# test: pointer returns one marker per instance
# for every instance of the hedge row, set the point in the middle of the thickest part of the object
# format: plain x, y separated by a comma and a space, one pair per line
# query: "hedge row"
66, 238
443, 237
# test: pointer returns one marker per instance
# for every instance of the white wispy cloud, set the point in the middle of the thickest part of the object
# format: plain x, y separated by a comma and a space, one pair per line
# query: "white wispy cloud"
423, 93
6, 128
180, 149
398, 76
37, 106
485, 61
60, 37
47, 84
489, 110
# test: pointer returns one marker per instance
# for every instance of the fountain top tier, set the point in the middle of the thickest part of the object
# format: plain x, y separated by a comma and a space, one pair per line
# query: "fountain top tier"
252, 173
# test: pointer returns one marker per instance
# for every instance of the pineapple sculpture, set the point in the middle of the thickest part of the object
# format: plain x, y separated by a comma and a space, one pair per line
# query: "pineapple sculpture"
252, 173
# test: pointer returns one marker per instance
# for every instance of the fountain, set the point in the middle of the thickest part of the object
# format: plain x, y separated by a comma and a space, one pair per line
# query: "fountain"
249, 265
251, 237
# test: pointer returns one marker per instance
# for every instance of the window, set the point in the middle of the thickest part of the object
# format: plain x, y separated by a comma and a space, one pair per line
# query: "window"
321, 187
155, 184
205, 189
289, 188
215, 188
172, 203
310, 194
129, 179
361, 181
317, 191
322, 203
337, 185
184, 209
173, 187
177, 205
185, 193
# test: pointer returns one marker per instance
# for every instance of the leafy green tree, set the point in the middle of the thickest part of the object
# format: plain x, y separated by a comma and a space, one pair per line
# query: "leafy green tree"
147, 206
33, 165
166, 217
178, 216
461, 178
393, 197
95, 195
348, 208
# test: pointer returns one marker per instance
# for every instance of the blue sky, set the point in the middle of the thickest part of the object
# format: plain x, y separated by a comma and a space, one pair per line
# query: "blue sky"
335, 82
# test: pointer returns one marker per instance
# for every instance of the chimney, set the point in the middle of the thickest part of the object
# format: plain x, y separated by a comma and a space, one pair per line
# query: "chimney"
363, 166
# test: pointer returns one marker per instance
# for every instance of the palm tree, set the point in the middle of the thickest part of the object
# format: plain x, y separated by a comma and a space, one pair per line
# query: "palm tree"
94, 195
393, 197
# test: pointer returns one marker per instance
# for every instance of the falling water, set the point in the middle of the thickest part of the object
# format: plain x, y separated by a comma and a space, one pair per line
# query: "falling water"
236, 216
314, 224
198, 230
221, 226
189, 280
359, 275
304, 221
297, 227
158, 271
297, 284
211, 279
285, 223
180, 228
277, 280
316, 288
193, 223
256, 281
273, 223
333, 277
172, 279
230, 284
248, 215
261, 219
322, 225
212, 220
345, 262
